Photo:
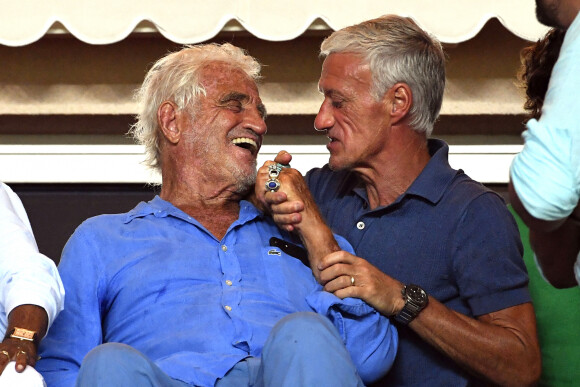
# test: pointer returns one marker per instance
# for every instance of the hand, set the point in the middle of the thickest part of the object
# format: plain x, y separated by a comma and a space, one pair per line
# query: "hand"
285, 205
370, 284
21, 351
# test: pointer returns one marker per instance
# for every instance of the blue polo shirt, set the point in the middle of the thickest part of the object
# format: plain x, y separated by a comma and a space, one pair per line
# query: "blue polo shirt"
448, 234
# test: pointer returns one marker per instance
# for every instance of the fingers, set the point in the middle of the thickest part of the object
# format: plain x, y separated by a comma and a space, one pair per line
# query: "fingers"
340, 282
283, 157
21, 360
20, 356
335, 258
4, 359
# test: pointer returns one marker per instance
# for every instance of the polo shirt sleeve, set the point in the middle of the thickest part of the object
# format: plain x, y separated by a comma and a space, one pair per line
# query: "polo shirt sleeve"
487, 256
546, 174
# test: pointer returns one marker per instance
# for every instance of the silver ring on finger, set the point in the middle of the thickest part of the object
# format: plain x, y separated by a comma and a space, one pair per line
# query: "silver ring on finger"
272, 185
274, 170
351, 280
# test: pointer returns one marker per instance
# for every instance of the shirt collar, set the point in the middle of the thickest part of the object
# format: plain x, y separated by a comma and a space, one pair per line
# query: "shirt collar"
161, 208
433, 181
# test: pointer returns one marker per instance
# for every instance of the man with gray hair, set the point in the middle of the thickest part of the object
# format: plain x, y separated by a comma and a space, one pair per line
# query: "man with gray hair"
196, 287
437, 251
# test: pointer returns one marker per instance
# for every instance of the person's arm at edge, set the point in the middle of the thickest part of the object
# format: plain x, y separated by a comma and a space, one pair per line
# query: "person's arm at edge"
30, 317
556, 244
32, 293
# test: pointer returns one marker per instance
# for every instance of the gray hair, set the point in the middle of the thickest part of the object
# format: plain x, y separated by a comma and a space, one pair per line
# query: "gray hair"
397, 50
175, 77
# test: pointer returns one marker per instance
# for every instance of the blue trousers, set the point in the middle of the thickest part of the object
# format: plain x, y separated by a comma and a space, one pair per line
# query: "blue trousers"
303, 349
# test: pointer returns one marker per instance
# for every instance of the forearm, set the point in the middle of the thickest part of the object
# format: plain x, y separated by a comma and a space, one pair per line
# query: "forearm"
556, 253
24, 350
489, 347
317, 238
31, 317
529, 220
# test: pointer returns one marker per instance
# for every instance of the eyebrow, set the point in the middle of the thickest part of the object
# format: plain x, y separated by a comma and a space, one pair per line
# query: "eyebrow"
241, 97
234, 96
330, 93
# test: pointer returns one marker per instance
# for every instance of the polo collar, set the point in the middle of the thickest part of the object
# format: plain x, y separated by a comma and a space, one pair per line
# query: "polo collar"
437, 175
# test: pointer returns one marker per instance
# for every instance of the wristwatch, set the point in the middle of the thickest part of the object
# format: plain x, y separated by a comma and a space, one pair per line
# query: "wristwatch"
415, 301
23, 334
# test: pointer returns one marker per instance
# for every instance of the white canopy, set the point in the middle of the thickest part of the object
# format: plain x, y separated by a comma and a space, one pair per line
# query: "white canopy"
107, 21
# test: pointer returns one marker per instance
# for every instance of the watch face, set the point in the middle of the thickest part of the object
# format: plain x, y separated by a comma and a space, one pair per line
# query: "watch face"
416, 294
23, 333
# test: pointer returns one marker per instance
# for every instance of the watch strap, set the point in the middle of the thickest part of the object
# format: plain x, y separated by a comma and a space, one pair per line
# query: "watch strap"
412, 306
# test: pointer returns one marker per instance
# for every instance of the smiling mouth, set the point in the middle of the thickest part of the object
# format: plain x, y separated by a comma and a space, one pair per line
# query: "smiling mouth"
246, 143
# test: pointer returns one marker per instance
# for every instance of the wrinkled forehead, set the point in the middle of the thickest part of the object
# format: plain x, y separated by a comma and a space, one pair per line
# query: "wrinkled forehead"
222, 76
345, 70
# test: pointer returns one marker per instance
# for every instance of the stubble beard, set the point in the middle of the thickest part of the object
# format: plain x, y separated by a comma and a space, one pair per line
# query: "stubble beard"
245, 180
244, 177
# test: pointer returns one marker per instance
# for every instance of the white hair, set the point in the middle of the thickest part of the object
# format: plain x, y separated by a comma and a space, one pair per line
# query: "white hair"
175, 77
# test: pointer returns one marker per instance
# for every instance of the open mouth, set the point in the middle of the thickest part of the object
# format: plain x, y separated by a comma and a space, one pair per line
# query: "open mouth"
246, 143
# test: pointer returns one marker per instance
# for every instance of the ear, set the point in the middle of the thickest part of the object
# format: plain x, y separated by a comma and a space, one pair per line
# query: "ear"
167, 118
401, 101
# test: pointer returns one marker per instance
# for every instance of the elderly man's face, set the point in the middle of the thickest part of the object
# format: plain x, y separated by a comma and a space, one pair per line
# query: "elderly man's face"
227, 125
355, 122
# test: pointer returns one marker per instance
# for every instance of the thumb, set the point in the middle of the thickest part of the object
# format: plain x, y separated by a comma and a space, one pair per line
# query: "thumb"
283, 157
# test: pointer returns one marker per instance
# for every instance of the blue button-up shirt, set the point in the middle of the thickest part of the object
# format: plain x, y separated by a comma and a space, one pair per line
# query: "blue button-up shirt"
157, 280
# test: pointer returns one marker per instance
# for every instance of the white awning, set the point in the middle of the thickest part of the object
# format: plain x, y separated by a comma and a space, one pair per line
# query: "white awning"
107, 21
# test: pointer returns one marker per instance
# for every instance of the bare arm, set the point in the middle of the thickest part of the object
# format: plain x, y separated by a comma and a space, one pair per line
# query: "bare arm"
306, 220
30, 317
555, 243
501, 347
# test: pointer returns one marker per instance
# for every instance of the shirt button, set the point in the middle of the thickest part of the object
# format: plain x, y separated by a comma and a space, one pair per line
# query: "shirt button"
228, 282
228, 308
224, 248
360, 225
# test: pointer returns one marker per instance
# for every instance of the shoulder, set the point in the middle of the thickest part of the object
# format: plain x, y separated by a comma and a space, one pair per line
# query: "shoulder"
470, 202
96, 234
467, 191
